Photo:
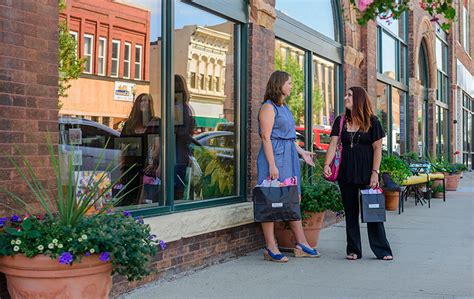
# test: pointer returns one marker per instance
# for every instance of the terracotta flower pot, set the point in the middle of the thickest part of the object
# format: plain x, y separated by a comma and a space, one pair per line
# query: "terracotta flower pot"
438, 195
391, 200
311, 227
452, 181
43, 277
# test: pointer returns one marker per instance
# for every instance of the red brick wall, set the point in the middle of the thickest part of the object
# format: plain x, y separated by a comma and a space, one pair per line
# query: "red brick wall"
28, 89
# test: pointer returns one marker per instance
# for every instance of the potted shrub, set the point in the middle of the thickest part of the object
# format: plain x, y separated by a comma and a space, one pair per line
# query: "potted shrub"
394, 172
437, 191
452, 172
317, 197
64, 251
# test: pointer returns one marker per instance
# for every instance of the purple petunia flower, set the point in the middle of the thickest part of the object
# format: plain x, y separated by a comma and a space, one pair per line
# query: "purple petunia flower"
88, 253
162, 245
15, 218
65, 258
139, 219
127, 214
104, 257
2, 221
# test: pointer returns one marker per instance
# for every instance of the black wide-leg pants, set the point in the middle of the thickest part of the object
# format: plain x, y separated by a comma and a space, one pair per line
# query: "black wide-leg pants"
376, 231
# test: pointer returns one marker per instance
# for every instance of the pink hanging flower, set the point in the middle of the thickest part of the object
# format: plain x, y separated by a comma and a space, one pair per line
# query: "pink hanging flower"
363, 4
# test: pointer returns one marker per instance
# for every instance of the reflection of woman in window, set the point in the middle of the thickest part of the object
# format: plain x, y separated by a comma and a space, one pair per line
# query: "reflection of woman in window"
144, 156
184, 128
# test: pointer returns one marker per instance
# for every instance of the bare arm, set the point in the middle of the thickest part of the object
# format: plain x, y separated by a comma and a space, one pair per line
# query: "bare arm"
267, 119
330, 155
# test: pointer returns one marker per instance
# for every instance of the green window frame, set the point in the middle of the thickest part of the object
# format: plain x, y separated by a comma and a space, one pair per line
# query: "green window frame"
312, 43
443, 118
231, 10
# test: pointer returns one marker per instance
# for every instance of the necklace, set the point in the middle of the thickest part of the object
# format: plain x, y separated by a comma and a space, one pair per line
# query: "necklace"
353, 134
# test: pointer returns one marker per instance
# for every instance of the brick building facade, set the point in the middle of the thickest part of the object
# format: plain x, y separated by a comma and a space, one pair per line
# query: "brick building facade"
211, 233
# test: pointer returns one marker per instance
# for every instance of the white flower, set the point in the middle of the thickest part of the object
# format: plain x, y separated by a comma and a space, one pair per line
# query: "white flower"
50, 245
69, 239
55, 241
84, 237
16, 248
18, 242
13, 242
40, 247
92, 250
60, 246
79, 240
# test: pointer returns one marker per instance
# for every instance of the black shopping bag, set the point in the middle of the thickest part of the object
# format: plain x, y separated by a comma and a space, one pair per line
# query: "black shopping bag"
372, 202
276, 204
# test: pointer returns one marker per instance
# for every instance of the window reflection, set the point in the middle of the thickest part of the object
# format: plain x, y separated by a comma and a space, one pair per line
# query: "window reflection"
304, 11
323, 103
205, 105
389, 57
291, 60
381, 110
117, 106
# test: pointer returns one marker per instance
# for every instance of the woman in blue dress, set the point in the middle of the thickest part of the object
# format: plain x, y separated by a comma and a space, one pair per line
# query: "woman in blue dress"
278, 158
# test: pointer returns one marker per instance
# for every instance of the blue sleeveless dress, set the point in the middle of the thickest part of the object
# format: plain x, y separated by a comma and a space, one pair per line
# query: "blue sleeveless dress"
283, 139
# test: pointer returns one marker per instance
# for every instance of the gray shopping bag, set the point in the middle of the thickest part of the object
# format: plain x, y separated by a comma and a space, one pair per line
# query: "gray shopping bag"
372, 203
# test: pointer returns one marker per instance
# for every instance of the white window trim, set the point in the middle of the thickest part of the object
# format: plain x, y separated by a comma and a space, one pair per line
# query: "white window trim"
117, 59
125, 60
91, 60
139, 63
75, 35
104, 57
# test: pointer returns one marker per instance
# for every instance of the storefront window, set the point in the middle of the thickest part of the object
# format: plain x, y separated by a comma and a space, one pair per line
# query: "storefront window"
442, 131
389, 58
398, 122
286, 59
381, 110
110, 120
206, 152
323, 110
304, 12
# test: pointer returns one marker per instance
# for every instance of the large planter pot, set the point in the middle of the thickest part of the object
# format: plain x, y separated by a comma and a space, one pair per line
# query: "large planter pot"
391, 200
438, 195
41, 277
452, 181
311, 227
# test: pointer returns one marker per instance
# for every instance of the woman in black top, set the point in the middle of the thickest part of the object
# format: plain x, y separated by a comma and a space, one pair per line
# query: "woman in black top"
361, 155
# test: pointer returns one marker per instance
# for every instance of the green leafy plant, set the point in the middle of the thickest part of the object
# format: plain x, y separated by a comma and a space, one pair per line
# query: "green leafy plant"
317, 194
218, 174
437, 189
63, 227
443, 165
389, 9
396, 168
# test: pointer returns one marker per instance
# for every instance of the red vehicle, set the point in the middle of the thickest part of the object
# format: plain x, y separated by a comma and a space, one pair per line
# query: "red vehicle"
321, 137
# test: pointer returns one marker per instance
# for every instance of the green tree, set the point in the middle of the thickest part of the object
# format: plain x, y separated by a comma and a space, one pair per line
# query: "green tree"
295, 101
70, 66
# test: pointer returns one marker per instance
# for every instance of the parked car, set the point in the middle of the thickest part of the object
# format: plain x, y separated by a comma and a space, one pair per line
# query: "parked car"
225, 126
321, 137
222, 142
87, 141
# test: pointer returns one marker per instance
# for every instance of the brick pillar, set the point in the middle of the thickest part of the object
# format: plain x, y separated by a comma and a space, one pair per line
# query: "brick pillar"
369, 65
260, 64
28, 87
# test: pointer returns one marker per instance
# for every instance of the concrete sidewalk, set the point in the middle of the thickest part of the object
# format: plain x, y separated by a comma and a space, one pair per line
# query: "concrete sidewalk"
433, 251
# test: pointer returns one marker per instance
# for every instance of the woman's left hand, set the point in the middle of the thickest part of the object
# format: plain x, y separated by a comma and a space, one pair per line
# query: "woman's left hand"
374, 180
308, 157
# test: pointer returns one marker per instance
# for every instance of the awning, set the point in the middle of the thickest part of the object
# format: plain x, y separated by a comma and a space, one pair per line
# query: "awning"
208, 122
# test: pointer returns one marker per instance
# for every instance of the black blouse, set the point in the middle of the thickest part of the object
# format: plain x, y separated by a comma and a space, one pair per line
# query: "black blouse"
356, 164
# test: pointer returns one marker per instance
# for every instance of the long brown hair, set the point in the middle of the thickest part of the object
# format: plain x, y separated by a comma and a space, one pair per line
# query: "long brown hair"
273, 90
361, 109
